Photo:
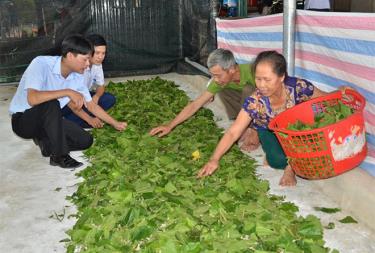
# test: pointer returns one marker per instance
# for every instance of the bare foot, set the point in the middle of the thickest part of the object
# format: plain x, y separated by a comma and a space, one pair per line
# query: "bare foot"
288, 178
249, 139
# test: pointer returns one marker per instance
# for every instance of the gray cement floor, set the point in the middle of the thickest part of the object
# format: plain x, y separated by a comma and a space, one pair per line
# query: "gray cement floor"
34, 214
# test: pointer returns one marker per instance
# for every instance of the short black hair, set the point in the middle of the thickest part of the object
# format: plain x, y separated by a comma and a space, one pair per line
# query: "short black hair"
76, 44
96, 40
276, 59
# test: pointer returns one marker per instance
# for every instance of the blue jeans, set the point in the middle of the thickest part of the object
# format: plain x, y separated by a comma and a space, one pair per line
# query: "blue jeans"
106, 101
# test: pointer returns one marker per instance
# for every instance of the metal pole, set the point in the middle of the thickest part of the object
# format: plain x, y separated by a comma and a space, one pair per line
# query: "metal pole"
212, 43
180, 26
242, 8
44, 23
289, 34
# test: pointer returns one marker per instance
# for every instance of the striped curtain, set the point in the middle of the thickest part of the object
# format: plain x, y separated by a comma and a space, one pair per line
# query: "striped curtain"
332, 49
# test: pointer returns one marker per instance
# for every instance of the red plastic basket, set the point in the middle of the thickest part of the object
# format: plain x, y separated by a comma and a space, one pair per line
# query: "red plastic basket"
328, 151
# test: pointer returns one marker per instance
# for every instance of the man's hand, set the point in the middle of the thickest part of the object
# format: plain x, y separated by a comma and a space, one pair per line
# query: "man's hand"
160, 130
209, 168
96, 123
77, 99
120, 126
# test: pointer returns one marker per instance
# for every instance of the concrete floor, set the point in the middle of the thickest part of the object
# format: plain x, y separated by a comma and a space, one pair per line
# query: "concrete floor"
34, 214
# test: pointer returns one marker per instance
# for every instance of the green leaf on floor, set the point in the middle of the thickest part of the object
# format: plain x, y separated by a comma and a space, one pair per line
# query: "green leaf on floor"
327, 210
330, 225
348, 219
141, 194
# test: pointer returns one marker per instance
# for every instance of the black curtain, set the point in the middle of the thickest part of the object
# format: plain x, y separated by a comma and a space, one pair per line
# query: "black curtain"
143, 36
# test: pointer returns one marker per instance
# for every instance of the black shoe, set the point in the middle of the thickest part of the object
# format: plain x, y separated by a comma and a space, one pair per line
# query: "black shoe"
65, 162
46, 152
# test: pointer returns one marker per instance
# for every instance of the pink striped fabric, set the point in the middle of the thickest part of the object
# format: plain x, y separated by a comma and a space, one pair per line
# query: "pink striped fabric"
370, 117
351, 22
245, 50
350, 68
371, 151
254, 22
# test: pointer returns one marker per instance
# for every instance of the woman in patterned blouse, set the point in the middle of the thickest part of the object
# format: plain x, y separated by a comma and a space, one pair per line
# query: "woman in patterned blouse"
276, 92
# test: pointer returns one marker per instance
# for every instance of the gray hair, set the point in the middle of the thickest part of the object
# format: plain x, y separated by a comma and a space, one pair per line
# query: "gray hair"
222, 57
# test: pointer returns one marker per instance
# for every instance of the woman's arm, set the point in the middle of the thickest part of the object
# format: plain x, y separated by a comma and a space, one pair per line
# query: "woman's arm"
318, 93
234, 132
185, 114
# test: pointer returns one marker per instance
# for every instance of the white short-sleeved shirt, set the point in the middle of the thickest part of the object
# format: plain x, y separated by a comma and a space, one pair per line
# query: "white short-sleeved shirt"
317, 4
94, 76
44, 74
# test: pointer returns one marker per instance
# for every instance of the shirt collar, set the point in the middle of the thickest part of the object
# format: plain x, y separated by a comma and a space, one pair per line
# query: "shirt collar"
57, 70
57, 66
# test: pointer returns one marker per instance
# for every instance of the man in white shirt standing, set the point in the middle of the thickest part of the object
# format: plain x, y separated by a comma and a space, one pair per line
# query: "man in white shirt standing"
317, 5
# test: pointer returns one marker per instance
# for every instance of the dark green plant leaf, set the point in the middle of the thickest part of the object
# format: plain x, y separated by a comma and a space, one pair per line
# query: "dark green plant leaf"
327, 210
348, 219
330, 225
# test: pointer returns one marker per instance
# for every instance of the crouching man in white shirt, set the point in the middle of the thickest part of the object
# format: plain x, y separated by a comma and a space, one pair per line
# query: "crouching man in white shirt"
94, 78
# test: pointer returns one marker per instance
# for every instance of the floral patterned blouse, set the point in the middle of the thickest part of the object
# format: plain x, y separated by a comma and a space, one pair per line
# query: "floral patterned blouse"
259, 108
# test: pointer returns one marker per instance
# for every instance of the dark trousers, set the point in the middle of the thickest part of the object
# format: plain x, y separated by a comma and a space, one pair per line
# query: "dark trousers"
45, 123
106, 101
234, 99
271, 146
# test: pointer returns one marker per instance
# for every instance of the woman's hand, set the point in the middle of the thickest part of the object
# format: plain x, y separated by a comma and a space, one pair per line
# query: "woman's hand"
343, 88
209, 168
230, 136
160, 130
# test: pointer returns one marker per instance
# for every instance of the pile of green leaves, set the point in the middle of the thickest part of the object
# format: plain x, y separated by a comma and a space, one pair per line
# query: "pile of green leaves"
331, 115
141, 193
